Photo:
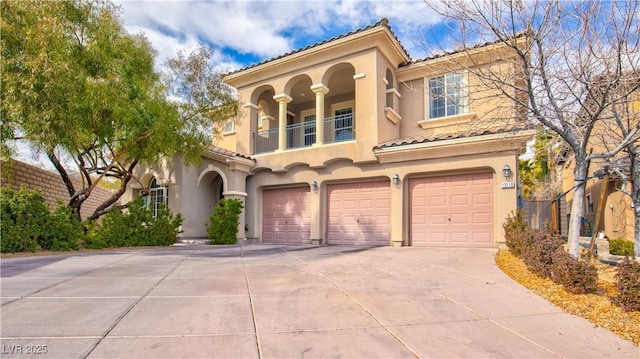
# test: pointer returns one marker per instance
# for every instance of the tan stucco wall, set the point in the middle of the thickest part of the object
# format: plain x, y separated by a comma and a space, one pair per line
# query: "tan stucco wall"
360, 68
346, 171
194, 191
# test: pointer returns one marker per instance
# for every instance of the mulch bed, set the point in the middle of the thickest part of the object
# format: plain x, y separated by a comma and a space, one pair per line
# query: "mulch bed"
596, 308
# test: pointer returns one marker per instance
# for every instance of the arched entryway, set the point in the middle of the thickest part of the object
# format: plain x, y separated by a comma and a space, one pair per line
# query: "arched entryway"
211, 187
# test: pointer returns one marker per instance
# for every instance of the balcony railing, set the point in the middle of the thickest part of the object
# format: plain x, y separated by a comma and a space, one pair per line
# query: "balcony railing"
339, 128
336, 129
301, 134
265, 141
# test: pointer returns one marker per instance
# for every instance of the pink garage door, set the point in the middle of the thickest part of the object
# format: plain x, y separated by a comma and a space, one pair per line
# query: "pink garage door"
452, 210
286, 216
359, 213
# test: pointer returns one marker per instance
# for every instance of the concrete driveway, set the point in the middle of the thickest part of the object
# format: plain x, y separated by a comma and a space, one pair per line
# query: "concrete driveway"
262, 301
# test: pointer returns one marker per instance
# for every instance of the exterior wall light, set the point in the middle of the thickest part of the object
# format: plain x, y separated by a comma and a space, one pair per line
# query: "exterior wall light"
395, 179
314, 186
506, 172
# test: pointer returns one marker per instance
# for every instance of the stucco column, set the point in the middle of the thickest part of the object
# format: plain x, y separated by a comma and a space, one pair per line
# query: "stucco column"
320, 90
282, 99
396, 213
316, 223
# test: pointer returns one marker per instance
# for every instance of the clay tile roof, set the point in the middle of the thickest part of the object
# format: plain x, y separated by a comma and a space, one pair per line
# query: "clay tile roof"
228, 153
450, 136
449, 53
383, 22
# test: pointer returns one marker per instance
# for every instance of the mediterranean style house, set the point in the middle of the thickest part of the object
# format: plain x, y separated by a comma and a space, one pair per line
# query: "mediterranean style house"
350, 141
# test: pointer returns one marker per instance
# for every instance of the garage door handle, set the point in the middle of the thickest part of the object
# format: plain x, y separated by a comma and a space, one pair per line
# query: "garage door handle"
449, 219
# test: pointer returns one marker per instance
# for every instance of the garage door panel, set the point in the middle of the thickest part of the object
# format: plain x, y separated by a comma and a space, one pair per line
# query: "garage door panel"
461, 199
460, 237
359, 213
482, 179
459, 218
459, 210
436, 219
437, 200
481, 199
439, 237
482, 238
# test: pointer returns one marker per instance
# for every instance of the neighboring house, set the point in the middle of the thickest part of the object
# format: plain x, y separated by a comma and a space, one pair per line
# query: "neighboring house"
616, 218
350, 141
49, 183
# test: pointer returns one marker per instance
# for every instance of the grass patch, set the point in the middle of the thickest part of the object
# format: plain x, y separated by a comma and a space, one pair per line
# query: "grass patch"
596, 308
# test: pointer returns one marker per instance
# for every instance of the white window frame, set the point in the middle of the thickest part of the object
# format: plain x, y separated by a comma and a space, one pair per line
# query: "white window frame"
228, 127
464, 96
304, 114
155, 196
343, 106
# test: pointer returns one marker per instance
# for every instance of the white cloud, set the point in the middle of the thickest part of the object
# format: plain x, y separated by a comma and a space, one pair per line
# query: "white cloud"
265, 29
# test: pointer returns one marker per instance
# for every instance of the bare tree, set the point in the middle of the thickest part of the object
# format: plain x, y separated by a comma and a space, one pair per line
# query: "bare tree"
569, 58
625, 167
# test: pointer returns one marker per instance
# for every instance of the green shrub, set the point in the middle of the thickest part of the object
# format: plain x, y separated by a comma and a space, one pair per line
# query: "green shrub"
621, 247
628, 285
539, 249
24, 220
577, 276
64, 231
161, 230
224, 221
134, 226
515, 233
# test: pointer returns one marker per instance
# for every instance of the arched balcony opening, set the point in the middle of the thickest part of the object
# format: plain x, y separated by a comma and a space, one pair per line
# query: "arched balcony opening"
264, 121
340, 107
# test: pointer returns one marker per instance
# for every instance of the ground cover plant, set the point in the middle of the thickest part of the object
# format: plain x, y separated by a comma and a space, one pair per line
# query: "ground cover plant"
595, 307
620, 247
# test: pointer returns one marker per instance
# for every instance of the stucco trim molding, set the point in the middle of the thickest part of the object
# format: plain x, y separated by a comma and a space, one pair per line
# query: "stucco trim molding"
251, 105
461, 119
392, 115
456, 147
234, 193
212, 168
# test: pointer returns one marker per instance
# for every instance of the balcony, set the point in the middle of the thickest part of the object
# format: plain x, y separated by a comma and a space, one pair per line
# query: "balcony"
265, 141
339, 128
298, 135
301, 134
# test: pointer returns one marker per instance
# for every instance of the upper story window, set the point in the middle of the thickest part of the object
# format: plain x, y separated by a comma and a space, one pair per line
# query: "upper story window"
448, 95
228, 127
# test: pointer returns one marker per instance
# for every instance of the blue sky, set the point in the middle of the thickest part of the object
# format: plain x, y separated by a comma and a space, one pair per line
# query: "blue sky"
245, 32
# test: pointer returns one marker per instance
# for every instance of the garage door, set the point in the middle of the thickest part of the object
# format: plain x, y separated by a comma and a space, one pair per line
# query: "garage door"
452, 211
359, 213
286, 216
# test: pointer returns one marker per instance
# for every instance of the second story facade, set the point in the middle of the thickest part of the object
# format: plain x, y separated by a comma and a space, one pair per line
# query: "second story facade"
341, 98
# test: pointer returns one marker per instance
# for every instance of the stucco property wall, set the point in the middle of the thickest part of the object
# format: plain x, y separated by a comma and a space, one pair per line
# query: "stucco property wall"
49, 183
